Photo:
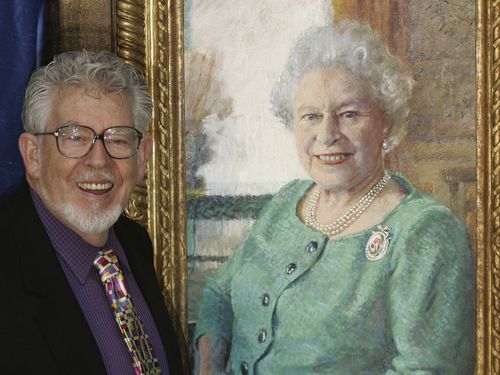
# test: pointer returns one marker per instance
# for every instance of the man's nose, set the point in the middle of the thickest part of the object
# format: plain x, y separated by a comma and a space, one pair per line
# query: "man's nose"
97, 156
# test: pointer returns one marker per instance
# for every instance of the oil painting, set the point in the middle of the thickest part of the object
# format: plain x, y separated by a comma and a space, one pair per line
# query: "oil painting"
240, 153
230, 149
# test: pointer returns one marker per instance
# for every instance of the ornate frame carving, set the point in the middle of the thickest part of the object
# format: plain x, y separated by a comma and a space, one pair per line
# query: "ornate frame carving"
149, 34
488, 202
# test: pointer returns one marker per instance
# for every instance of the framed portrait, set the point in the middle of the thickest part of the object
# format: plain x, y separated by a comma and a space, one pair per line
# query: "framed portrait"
219, 154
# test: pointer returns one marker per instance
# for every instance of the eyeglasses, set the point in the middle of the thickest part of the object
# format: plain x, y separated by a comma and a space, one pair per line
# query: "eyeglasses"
76, 141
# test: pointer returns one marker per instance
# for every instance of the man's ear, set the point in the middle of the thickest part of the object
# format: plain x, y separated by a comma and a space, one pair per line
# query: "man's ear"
28, 145
143, 155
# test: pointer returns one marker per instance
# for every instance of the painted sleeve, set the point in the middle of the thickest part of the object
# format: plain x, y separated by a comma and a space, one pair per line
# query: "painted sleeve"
215, 316
432, 299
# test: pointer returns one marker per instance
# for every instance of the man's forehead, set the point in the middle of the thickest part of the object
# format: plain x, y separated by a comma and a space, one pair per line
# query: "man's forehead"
78, 96
81, 104
93, 90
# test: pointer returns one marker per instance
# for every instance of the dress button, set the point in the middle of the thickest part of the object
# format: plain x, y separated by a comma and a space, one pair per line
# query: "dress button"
262, 335
290, 268
312, 247
244, 368
265, 299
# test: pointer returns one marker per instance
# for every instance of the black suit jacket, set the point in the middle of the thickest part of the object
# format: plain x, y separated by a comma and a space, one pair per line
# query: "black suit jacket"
42, 329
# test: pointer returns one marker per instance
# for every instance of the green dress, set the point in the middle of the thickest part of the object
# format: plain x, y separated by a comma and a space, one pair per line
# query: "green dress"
291, 301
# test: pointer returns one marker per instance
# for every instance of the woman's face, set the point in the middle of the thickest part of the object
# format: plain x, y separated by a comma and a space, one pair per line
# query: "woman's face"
339, 129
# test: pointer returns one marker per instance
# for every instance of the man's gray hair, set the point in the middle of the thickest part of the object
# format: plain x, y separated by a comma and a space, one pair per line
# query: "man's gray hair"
102, 70
357, 48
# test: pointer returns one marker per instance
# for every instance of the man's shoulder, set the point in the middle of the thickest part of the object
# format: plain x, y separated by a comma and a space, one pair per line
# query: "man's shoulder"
131, 234
14, 203
19, 226
127, 225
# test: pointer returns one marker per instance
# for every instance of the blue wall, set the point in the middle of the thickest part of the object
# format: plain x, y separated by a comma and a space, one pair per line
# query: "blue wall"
21, 42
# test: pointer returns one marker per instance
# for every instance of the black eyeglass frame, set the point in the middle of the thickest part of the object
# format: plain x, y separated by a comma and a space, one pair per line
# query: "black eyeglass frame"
96, 136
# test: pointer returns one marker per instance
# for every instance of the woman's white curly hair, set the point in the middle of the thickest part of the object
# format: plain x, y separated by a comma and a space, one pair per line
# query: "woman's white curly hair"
359, 49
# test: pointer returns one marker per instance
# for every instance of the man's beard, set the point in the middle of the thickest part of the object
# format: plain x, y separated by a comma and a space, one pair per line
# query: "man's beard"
86, 220
91, 220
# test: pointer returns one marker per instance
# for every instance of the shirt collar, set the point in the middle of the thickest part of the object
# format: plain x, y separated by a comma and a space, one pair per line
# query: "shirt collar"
77, 254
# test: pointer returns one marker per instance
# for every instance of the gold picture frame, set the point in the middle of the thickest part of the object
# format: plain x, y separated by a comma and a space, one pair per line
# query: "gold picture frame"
149, 34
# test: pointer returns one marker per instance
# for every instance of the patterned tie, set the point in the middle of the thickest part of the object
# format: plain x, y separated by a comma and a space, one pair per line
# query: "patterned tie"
129, 322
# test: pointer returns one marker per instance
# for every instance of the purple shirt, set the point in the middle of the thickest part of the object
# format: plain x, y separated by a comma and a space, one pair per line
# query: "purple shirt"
76, 258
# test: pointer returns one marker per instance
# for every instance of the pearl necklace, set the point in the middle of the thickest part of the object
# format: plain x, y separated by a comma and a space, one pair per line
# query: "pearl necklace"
349, 217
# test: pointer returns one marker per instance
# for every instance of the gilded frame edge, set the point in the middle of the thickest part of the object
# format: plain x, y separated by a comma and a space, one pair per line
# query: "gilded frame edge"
158, 50
488, 202
148, 34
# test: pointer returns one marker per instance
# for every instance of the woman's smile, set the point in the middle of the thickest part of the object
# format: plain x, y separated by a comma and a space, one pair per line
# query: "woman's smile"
333, 158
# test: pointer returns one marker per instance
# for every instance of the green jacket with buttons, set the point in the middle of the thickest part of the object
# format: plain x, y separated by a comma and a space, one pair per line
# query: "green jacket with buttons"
291, 301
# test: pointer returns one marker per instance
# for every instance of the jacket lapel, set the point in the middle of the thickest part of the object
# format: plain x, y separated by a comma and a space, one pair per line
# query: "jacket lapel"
59, 317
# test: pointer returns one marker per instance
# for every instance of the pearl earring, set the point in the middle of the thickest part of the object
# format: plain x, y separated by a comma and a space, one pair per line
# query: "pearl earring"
385, 145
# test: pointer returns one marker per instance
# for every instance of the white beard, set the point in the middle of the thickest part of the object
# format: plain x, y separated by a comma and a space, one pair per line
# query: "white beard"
91, 220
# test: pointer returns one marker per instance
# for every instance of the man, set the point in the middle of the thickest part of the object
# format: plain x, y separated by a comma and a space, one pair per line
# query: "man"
78, 289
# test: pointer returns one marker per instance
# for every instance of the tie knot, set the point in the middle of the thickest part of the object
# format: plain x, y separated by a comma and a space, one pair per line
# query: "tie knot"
107, 264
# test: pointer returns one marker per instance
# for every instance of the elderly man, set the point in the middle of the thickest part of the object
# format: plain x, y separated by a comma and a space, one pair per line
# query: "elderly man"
78, 289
